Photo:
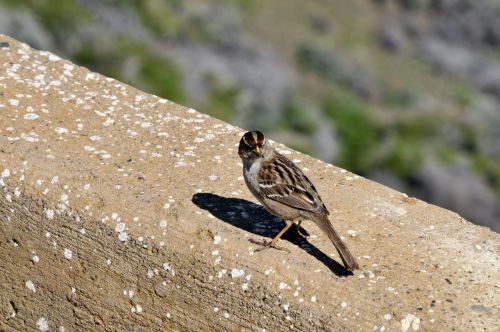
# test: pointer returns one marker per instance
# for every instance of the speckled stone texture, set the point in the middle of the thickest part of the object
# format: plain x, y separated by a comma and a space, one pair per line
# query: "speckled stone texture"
123, 211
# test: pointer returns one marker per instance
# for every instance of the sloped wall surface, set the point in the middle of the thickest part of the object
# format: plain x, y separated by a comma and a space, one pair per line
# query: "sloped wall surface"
123, 211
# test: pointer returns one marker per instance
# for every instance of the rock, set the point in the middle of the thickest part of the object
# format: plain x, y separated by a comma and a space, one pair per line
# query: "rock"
391, 36
129, 160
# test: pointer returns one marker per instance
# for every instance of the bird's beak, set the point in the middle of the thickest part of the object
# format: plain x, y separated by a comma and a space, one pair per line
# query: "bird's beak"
256, 149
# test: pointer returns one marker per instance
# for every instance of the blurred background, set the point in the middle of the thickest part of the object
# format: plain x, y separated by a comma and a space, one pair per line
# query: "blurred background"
404, 92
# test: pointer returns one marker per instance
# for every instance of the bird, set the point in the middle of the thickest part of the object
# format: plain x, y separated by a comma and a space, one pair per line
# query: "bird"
286, 192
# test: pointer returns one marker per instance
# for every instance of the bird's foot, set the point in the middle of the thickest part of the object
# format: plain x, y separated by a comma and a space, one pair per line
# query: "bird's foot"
266, 245
302, 233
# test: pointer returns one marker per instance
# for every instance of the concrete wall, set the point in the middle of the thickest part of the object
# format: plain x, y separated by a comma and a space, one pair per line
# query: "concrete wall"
123, 211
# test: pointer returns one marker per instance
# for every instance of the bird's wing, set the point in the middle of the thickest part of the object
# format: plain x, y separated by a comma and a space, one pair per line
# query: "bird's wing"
284, 182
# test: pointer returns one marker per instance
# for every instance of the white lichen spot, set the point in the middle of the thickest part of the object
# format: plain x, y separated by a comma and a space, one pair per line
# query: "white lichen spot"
53, 57
213, 177
35, 259
352, 233
343, 305
5, 173
282, 285
244, 286
31, 286
13, 102
42, 324
218, 260
123, 236
138, 308
226, 314
68, 254
61, 130
313, 298
32, 137
286, 306
54, 180
236, 273
49, 213
120, 227
31, 116
89, 148
221, 273
108, 122
387, 316
163, 223
167, 266
410, 320
217, 239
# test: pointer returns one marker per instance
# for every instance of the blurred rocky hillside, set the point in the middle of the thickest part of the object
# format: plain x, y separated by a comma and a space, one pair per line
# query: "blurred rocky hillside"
404, 92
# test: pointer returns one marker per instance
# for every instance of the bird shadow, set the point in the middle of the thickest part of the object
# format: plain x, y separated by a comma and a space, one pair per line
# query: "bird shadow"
255, 219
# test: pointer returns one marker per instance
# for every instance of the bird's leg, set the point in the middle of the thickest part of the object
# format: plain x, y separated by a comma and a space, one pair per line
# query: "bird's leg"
272, 244
302, 232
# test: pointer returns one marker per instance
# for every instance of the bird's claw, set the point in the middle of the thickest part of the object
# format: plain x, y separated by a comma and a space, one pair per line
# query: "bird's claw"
303, 233
266, 245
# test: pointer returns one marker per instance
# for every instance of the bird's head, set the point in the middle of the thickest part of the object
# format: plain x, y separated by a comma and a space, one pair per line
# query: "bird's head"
253, 145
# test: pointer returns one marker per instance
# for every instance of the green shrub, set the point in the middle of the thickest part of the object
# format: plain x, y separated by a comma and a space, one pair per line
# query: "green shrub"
156, 74
358, 133
464, 96
161, 77
163, 17
297, 115
58, 17
222, 100
404, 158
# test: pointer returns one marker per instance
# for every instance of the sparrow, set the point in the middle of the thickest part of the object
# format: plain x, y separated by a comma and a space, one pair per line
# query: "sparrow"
286, 192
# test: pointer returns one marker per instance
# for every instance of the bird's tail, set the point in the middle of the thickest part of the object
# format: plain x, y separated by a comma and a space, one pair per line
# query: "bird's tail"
346, 256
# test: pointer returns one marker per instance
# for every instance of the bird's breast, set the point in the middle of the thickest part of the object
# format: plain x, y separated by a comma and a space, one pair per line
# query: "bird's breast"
250, 172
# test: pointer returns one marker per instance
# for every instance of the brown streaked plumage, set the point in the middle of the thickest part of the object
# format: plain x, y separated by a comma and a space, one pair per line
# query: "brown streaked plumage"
284, 190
